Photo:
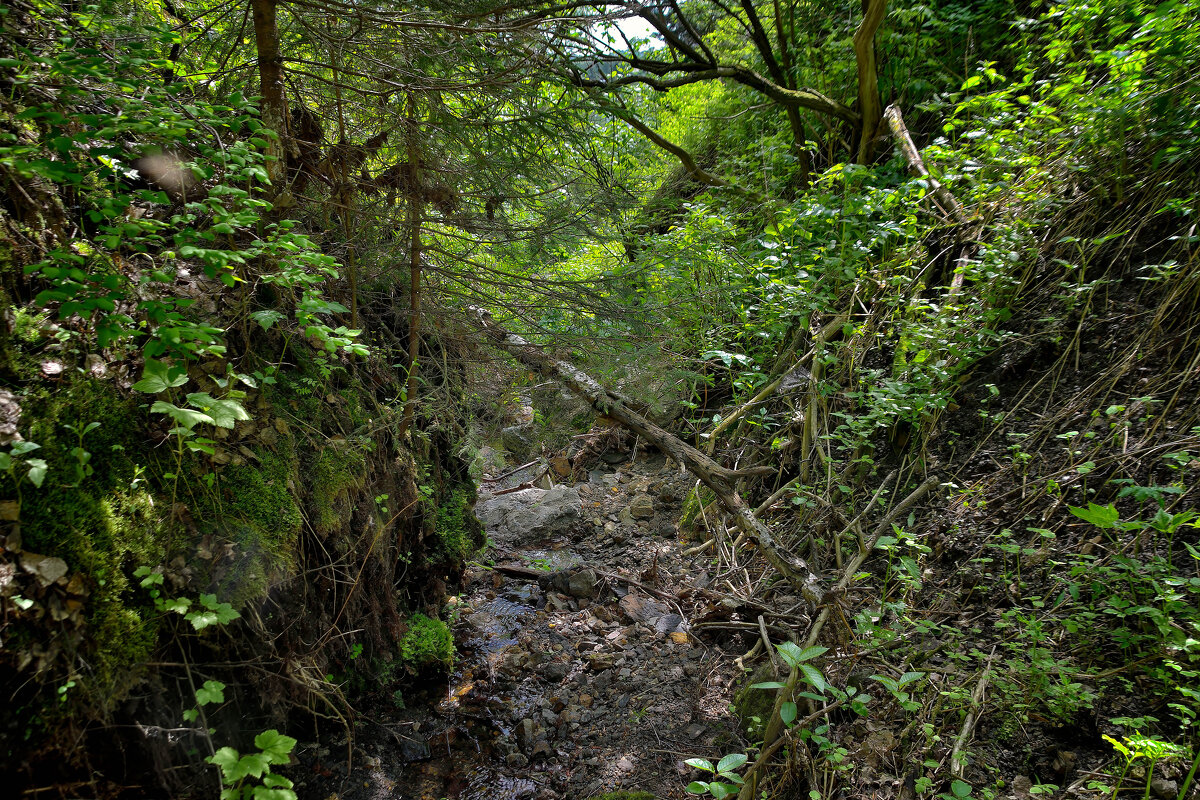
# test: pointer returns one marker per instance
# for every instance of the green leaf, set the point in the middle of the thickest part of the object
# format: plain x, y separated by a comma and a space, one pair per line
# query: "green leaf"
211, 692
960, 789
794, 656
1100, 516
227, 759
253, 764
787, 713
813, 676
37, 471
185, 417
696, 787
225, 612
224, 412
699, 763
275, 746
768, 685
731, 762
157, 376
179, 605
266, 318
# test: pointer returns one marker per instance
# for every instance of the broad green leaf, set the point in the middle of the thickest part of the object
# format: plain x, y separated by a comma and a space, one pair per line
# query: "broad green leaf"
960, 789
813, 676
787, 713
699, 763
266, 318
275, 746
224, 412
227, 759
731, 762
186, 417
157, 376
179, 605
1100, 516
696, 787
768, 685
253, 764
211, 692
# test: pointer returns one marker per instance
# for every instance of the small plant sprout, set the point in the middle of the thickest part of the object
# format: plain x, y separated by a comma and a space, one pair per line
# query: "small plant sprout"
725, 780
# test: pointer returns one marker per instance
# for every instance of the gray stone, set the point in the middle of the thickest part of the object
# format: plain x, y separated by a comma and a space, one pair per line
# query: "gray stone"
582, 584
641, 507
1165, 789
517, 438
531, 512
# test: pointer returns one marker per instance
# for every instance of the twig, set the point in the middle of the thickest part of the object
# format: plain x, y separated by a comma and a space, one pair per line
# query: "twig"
956, 764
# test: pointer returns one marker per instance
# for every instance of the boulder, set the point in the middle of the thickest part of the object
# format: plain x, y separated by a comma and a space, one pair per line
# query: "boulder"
535, 513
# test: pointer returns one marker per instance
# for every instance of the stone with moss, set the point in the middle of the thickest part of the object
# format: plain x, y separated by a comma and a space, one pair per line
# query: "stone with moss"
754, 706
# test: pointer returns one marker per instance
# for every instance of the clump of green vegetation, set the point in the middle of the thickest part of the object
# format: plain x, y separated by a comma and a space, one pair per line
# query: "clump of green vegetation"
458, 532
338, 471
427, 644
260, 497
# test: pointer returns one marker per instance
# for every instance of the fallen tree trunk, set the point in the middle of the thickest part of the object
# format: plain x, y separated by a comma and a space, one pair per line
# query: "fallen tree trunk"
717, 478
916, 164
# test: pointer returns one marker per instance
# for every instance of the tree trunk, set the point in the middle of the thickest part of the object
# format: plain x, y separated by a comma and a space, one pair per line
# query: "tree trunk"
270, 76
710, 473
415, 201
869, 105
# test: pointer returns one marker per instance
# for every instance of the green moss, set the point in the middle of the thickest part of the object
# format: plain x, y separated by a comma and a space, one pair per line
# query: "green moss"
691, 507
754, 706
427, 644
339, 471
103, 525
458, 533
260, 499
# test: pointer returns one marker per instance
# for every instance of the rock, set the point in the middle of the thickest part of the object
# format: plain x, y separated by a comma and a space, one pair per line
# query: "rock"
525, 732
1165, 789
641, 507
516, 760
582, 584
642, 609
516, 438
626, 517
531, 512
555, 670
601, 661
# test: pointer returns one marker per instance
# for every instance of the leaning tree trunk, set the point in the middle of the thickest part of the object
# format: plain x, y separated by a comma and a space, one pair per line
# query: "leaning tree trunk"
869, 104
416, 199
717, 478
270, 76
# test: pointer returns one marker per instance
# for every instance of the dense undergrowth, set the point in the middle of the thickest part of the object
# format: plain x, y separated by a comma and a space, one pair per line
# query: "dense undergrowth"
211, 460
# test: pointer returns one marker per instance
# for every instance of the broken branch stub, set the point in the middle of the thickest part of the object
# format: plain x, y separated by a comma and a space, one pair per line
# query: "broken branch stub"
717, 478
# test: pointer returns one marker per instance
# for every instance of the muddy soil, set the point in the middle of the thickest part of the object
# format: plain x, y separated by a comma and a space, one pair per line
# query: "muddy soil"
578, 671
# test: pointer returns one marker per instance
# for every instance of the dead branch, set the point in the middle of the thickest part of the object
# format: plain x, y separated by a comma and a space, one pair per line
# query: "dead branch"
916, 164
717, 478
